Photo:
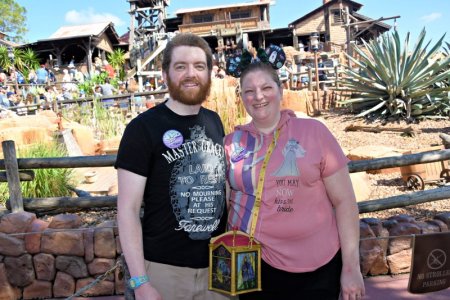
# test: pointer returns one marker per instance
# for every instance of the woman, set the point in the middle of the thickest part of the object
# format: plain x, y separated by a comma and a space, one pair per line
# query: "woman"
308, 223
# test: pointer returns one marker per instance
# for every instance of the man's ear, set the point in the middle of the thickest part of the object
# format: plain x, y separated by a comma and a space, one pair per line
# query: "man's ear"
164, 77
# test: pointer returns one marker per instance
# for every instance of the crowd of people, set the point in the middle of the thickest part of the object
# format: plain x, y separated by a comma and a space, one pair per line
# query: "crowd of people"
42, 88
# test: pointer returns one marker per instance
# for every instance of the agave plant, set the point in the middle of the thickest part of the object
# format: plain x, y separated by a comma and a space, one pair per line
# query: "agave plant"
393, 82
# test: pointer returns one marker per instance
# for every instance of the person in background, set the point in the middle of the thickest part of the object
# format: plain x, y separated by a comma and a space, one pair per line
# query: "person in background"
41, 75
308, 223
4, 102
284, 74
109, 69
304, 78
32, 77
108, 90
169, 155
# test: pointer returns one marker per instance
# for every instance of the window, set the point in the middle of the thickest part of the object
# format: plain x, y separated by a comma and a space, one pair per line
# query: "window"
337, 16
202, 18
240, 14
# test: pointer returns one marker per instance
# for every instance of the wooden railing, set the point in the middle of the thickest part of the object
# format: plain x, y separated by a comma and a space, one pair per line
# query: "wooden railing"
129, 98
18, 170
332, 80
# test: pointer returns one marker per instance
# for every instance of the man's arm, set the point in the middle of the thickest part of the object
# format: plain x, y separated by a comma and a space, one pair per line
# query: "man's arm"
340, 191
131, 192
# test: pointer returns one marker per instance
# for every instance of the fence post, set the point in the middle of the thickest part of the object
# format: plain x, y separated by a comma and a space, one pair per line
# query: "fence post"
132, 104
12, 173
336, 70
310, 79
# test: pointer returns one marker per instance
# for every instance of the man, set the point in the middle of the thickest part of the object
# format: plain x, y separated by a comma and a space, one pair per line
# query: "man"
42, 75
107, 90
171, 157
4, 102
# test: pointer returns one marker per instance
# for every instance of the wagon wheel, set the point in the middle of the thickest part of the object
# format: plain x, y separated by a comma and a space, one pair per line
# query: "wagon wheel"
445, 174
415, 182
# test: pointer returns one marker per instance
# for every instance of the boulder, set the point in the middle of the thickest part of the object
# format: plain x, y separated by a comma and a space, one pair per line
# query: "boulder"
7, 291
400, 262
38, 289
444, 217
100, 265
398, 244
18, 222
88, 238
72, 265
65, 221
20, 270
44, 266
33, 241
64, 285
11, 246
104, 243
62, 243
100, 289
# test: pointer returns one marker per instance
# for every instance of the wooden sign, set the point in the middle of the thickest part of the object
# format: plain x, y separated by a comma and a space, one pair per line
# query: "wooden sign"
430, 263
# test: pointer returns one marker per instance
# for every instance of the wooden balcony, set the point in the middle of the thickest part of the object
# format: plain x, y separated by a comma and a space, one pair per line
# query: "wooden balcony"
225, 27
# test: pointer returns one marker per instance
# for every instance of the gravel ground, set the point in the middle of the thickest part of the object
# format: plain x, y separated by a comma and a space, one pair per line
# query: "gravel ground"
386, 185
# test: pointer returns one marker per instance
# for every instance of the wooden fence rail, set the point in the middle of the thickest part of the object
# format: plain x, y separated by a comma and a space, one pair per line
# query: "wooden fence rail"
14, 167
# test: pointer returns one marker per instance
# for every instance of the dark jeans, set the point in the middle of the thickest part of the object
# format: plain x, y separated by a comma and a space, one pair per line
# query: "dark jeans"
321, 284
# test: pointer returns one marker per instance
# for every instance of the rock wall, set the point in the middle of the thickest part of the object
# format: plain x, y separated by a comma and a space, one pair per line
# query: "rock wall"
41, 260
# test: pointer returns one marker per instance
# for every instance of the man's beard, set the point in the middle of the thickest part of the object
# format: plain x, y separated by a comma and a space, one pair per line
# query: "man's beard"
190, 97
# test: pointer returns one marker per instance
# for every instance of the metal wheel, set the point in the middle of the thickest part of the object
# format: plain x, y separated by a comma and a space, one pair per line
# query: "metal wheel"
415, 182
445, 174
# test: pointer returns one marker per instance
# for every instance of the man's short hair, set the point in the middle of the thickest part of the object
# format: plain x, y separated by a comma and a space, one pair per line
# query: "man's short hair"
186, 39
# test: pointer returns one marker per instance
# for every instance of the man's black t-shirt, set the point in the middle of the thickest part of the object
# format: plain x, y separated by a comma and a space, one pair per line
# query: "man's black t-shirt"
183, 160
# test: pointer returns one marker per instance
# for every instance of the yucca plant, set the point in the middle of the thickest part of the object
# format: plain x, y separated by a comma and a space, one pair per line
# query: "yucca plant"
396, 83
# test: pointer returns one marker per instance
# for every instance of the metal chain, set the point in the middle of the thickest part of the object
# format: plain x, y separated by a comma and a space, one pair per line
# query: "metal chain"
97, 280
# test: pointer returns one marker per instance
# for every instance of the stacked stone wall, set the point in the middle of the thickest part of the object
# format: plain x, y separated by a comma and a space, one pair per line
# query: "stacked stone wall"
41, 260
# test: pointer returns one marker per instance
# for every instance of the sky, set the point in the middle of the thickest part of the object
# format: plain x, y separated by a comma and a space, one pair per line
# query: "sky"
44, 17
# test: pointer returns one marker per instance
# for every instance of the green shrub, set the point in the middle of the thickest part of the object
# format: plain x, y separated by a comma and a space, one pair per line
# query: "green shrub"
47, 182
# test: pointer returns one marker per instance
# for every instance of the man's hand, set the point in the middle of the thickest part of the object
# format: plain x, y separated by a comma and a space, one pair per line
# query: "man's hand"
146, 292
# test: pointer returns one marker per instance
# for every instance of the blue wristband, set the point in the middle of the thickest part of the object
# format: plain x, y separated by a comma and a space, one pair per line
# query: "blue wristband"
137, 281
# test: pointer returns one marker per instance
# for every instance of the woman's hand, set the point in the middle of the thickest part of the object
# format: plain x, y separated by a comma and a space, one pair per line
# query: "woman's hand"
352, 284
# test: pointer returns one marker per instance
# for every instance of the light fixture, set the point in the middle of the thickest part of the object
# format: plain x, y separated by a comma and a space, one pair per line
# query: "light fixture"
11, 54
314, 40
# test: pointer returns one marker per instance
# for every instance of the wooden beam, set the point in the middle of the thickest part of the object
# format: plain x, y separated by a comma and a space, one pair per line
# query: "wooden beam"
404, 200
24, 175
370, 21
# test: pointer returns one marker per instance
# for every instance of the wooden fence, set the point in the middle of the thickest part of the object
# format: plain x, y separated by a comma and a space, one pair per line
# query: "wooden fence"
18, 170
333, 75
129, 98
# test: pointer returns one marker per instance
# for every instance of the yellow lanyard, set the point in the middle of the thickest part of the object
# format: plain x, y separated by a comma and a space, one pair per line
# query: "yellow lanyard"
260, 188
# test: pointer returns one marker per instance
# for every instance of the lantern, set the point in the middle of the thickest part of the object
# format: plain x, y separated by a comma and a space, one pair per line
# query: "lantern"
234, 263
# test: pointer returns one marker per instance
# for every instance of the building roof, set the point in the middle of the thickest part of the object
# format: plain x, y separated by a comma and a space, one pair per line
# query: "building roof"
198, 9
365, 18
8, 43
95, 29
356, 5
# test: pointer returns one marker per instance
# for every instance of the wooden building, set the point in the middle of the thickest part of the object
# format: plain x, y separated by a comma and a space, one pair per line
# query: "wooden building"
226, 25
330, 20
82, 43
